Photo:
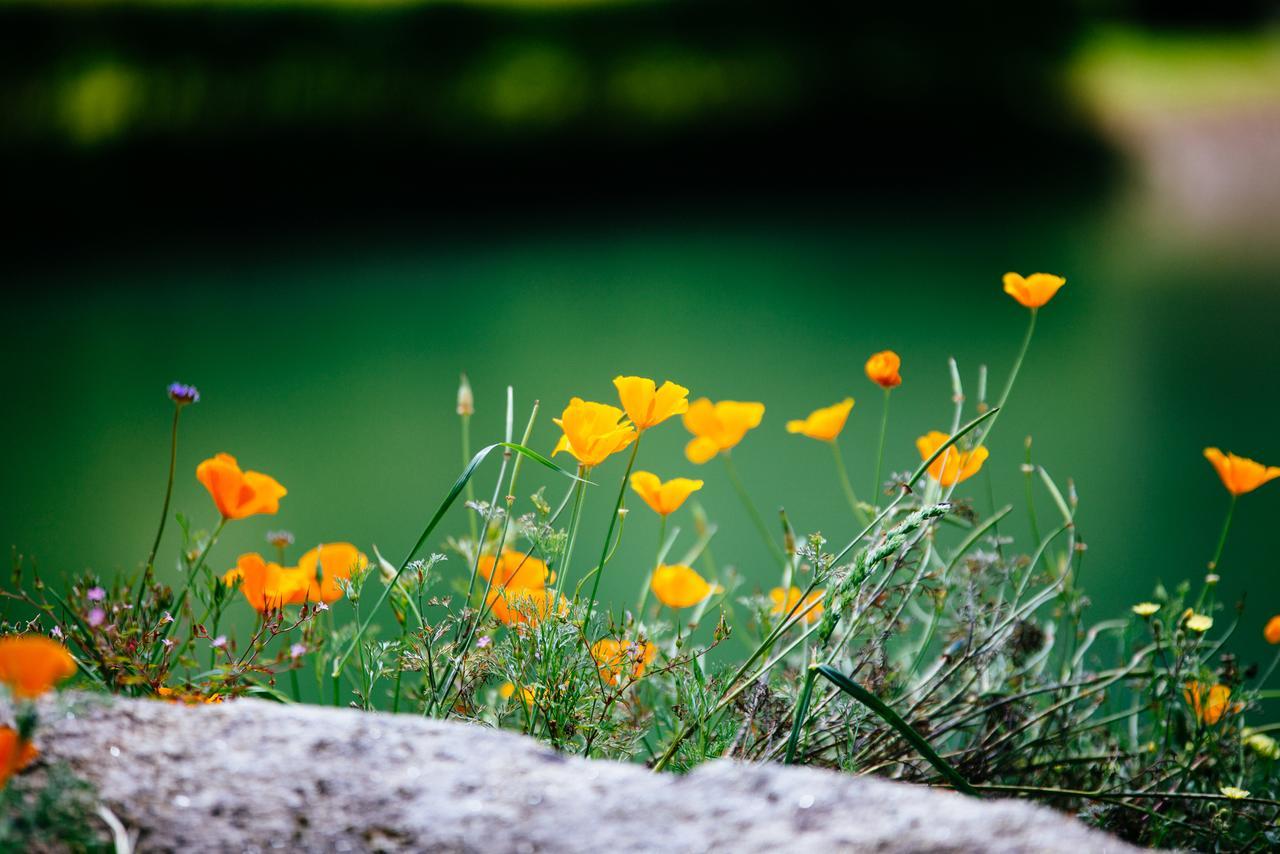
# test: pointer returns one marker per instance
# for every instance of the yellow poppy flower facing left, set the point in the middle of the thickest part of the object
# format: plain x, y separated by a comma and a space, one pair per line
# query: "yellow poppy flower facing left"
824, 424
646, 404
593, 431
954, 465
1032, 291
664, 498
1240, 474
719, 426
679, 586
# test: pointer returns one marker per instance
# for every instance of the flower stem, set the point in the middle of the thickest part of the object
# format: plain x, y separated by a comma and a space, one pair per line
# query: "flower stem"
164, 510
195, 570
1013, 376
1222, 540
613, 520
471, 492
752, 511
648, 579
846, 485
884, 429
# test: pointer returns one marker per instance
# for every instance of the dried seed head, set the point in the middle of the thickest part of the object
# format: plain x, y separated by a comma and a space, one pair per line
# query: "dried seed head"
466, 400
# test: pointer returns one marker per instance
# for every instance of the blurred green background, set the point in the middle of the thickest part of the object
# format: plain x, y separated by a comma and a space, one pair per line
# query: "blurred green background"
321, 212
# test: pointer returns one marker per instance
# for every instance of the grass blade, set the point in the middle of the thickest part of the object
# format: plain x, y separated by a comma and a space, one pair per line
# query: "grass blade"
892, 718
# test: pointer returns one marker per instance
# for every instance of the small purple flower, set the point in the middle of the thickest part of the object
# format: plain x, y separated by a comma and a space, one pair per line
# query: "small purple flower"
97, 617
96, 594
168, 643
483, 641
298, 650
219, 642
167, 618
56, 633
182, 394
322, 606
280, 539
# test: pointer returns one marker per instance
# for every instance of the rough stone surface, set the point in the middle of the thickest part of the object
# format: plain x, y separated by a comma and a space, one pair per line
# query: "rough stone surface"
251, 775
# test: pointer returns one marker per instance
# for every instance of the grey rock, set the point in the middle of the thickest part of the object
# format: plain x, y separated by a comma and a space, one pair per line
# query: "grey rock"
250, 775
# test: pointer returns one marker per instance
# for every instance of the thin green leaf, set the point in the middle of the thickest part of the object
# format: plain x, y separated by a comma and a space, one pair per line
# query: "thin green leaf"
893, 719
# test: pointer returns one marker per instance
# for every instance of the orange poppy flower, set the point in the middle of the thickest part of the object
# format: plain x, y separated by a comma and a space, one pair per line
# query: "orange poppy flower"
1272, 630
516, 569
882, 369
237, 493
1209, 703
784, 602
719, 426
524, 605
1032, 291
616, 657
16, 753
335, 561
266, 585
680, 586
664, 498
954, 465
32, 664
593, 431
824, 424
646, 404
1240, 474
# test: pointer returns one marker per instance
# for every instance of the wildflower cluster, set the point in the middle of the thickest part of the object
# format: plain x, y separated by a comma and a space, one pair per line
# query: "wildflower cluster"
922, 645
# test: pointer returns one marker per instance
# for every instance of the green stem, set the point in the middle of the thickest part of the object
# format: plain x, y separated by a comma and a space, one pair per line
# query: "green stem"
648, 579
802, 711
846, 485
1222, 540
471, 492
884, 429
752, 511
613, 520
164, 510
1013, 376
186, 588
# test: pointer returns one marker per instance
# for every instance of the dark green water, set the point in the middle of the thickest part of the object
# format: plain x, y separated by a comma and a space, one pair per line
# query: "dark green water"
331, 361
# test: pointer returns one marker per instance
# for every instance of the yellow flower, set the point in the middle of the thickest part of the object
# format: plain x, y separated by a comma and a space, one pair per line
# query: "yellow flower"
1264, 744
664, 498
1199, 623
507, 690
16, 753
1145, 609
524, 605
1208, 709
647, 405
719, 426
32, 664
237, 493
680, 586
954, 465
825, 423
1235, 793
336, 561
267, 586
785, 602
1272, 630
617, 657
1034, 290
593, 431
516, 570
882, 369
1240, 474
